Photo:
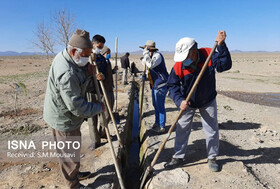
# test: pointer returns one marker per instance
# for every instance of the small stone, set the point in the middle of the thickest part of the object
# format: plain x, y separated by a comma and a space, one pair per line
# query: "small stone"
46, 169
245, 170
263, 129
255, 139
229, 121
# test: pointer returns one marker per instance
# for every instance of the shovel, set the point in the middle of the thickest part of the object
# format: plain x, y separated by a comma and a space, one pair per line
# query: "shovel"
142, 98
108, 132
116, 113
150, 168
108, 106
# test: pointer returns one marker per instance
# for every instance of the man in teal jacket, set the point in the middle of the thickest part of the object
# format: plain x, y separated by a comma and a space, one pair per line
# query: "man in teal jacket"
65, 106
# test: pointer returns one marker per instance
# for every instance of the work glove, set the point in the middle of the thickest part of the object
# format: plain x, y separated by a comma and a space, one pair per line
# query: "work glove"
145, 52
144, 77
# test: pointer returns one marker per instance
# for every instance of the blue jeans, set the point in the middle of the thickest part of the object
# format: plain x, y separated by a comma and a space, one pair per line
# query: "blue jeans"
158, 96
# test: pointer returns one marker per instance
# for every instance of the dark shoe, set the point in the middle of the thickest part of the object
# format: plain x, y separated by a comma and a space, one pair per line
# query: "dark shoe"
94, 146
155, 126
84, 187
175, 162
103, 136
84, 175
159, 130
213, 166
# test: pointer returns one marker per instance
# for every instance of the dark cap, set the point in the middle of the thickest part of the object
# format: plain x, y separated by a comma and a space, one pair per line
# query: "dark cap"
80, 39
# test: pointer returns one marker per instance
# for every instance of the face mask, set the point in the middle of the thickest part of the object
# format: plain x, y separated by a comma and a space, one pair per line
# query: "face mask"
81, 62
96, 51
108, 56
187, 62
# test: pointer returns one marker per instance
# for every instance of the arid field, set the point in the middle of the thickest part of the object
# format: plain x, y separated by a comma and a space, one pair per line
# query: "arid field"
248, 114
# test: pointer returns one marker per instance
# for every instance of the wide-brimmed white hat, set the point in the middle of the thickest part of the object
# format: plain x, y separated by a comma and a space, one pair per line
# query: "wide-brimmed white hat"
183, 47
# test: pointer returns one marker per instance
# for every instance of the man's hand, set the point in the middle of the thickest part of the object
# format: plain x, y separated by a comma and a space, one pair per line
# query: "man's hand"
100, 77
221, 37
91, 69
184, 105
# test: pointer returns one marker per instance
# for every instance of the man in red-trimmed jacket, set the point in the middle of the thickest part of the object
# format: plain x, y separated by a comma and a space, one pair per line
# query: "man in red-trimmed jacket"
189, 61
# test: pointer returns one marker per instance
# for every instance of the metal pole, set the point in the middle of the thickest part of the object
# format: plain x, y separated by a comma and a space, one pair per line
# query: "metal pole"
142, 98
116, 75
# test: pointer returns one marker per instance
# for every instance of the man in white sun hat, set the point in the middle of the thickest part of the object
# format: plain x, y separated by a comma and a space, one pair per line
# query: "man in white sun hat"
189, 61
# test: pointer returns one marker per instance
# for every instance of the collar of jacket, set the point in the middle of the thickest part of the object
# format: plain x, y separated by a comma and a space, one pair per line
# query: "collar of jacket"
68, 57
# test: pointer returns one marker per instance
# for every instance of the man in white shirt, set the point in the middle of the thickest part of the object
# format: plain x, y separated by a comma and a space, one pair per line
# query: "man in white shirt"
157, 75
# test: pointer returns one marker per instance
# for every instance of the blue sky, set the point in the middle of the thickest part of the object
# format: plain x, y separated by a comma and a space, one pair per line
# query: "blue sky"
251, 25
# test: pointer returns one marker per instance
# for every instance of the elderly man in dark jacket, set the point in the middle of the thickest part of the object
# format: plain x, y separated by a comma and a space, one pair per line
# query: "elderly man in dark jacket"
189, 61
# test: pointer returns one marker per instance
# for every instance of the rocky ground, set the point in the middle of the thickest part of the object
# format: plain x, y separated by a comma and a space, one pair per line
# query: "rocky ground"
249, 132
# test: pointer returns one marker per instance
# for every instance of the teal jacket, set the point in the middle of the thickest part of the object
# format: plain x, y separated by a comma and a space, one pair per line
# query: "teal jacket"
65, 106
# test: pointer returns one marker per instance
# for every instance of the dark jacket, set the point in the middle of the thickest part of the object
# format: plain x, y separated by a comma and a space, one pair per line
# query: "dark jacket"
108, 82
125, 62
182, 78
102, 66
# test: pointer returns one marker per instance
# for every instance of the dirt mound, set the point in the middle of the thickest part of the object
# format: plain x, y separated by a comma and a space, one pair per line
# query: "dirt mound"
20, 112
24, 129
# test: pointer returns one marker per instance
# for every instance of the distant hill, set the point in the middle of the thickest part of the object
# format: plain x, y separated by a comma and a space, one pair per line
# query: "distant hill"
239, 51
13, 53
232, 51
141, 51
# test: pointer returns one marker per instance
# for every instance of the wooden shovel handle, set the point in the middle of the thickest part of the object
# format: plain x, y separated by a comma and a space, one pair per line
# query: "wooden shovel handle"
108, 106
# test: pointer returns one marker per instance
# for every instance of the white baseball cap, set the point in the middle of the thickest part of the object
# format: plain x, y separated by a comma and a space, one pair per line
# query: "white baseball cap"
183, 47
